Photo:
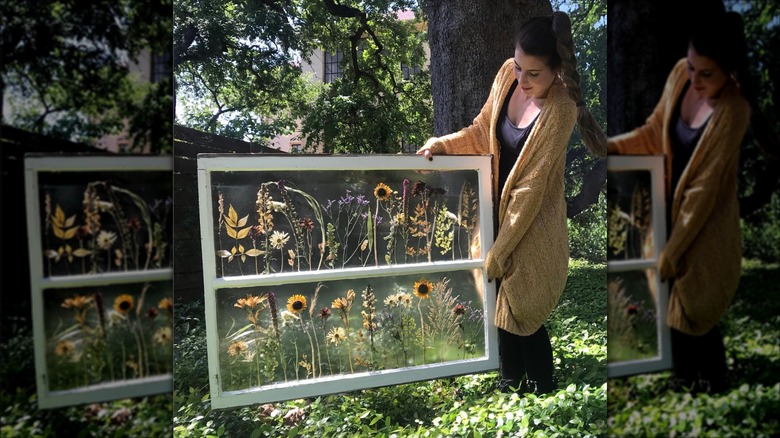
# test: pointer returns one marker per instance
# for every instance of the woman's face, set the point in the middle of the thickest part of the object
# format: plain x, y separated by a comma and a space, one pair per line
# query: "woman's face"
707, 78
534, 77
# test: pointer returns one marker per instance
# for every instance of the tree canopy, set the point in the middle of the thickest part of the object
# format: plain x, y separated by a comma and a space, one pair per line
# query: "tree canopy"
66, 69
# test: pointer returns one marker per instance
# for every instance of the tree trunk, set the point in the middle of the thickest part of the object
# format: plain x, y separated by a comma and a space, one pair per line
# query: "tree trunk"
469, 42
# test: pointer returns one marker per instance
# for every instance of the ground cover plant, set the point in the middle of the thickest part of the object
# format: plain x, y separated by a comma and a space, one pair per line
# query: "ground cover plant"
650, 405
469, 405
20, 416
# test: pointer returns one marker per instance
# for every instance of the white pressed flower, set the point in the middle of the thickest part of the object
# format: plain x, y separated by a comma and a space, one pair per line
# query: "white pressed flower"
106, 239
288, 318
279, 239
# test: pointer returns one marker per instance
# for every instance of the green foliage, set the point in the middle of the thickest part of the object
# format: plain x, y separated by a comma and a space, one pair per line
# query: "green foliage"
371, 108
761, 234
20, 416
647, 405
65, 69
588, 232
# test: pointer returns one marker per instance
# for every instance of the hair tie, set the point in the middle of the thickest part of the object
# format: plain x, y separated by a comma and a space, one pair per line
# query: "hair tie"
580, 103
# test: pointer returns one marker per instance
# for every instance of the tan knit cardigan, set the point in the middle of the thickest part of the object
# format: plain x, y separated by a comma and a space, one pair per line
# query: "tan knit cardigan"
703, 253
531, 251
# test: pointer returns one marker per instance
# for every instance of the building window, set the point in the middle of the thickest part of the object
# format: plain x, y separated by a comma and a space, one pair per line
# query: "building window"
408, 71
161, 67
333, 66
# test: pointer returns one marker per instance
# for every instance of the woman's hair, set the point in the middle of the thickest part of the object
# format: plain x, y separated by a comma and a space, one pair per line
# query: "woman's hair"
721, 37
549, 37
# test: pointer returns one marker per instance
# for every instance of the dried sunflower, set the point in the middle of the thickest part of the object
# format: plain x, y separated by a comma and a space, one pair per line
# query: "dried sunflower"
124, 304
423, 289
296, 303
382, 192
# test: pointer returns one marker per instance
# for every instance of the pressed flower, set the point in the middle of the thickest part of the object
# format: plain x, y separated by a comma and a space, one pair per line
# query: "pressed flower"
165, 304
105, 239
382, 192
423, 289
124, 304
279, 239
288, 318
324, 313
391, 301
237, 348
64, 348
336, 335
78, 301
405, 299
134, 224
339, 303
296, 303
163, 336
459, 309
306, 223
255, 231
251, 301
151, 313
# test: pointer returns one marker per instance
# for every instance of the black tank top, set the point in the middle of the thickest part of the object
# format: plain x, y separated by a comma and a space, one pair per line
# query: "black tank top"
512, 140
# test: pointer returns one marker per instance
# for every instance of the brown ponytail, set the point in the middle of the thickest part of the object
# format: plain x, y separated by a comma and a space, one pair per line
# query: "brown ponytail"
591, 132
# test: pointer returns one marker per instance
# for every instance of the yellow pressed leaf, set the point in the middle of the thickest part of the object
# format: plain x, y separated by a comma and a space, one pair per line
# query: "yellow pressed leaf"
51, 254
229, 221
254, 252
82, 252
70, 233
243, 233
232, 215
58, 232
59, 216
70, 221
222, 253
233, 250
241, 248
231, 232
243, 220
243, 258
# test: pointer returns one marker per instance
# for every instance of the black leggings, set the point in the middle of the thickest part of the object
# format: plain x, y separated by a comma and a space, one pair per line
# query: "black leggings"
530, 356
699, 357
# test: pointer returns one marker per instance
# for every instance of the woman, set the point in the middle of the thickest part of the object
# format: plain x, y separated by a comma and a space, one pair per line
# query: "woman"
698, 126
526, 124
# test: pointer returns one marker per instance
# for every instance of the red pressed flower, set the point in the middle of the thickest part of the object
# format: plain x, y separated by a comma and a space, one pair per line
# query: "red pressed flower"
134, 224
632, 309
306, 223
459, 309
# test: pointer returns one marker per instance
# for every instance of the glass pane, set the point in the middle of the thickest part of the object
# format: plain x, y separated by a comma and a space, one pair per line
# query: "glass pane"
630, 214
282, 221
295, 332
107, 333
101, 222
632, 322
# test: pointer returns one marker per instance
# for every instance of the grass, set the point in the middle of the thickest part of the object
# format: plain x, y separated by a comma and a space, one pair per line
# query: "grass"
646, 405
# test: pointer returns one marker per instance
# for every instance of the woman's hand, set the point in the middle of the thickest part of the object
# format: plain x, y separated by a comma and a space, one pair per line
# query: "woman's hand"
425, 150
494, 268
665, 268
